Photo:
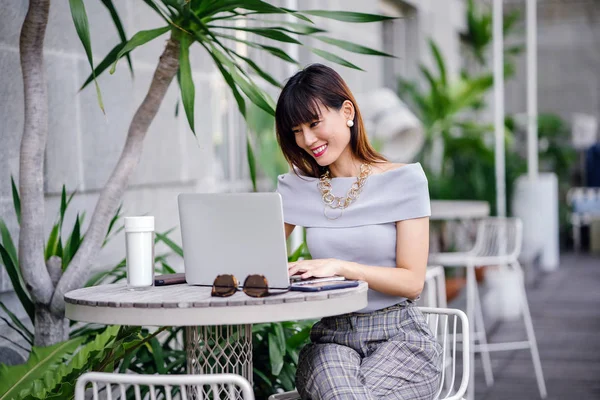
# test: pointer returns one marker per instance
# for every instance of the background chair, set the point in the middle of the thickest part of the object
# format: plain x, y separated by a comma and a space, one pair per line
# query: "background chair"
434, 290
584, 204
498, 243
445, 323
117, 386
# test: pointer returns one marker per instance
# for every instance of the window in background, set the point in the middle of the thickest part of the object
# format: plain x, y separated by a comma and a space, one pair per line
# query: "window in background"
400, 38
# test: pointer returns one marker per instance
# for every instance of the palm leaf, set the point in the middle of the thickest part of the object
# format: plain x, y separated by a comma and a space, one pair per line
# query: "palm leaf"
186, 82
347, 16
251, 162
267, 77
14, 273
25, 332
139, 39
52, 245
273, 50
110, 58
439, 60
83, 31
353, 47
334, 58
119, 25
270, 33
160, 237
16, 199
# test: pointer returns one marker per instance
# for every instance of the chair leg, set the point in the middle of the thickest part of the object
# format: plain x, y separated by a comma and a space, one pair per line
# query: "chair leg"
471, 284
535, 355
577, 238
485, 354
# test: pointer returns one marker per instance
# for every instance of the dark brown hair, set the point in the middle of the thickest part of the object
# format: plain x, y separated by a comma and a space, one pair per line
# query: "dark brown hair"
298, 103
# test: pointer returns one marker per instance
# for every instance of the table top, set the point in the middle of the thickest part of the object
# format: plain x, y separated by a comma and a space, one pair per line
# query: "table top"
459, 209
187, 305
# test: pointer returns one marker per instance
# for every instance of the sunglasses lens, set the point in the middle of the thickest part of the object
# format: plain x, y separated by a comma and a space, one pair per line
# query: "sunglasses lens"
256, 286
224, 286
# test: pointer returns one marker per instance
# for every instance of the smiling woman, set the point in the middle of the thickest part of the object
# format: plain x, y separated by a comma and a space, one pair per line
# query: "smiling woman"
386, 350
316, 119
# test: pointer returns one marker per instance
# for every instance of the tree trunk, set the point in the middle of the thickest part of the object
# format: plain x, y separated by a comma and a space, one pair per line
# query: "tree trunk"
49, 329
111, 195
33, 146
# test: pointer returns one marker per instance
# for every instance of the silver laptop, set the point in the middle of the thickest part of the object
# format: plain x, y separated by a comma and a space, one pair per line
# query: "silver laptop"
233, 233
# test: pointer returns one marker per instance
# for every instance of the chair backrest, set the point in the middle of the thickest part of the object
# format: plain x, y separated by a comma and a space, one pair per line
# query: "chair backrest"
434, 290
499, 237
447, 324
584, 204
170, 387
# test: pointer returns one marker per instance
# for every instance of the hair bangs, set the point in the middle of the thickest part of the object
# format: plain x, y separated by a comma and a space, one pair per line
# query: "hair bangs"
300, 107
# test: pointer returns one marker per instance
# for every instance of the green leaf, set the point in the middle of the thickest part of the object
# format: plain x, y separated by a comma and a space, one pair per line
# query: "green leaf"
273, 50
250, 89
72, 243
251, 162
86, 358
16, 199
299, 338
16, 381
119, 25
267, 77
296, 254
186, 85
172, 245
275, 355
14, 343
336, 59
159, 359
227, 76
300, 29
114, 220
52, 245
8, 244
347, 16
439, 60
353, 47
80, 20
14, 273
110, 58
17, 330
140, 38
270, 33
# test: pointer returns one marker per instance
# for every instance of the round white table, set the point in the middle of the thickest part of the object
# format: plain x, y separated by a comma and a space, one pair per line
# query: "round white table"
218, 330
459, 209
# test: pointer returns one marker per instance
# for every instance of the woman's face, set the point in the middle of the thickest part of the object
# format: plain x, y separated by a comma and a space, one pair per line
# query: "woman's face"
326, 137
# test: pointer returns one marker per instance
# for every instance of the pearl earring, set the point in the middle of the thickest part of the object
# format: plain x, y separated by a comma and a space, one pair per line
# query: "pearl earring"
350, 123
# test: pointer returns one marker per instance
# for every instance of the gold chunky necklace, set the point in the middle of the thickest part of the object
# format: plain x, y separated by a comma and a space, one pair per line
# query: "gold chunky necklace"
333, 202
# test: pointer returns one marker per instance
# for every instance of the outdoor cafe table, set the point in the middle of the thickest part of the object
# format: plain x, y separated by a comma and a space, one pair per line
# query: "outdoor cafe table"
458, 210
218, 330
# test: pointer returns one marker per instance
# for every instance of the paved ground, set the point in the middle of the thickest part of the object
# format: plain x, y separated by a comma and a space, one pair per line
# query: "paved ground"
565, 307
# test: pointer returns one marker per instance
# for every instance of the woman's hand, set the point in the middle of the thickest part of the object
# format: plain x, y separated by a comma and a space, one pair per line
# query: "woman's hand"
321, 268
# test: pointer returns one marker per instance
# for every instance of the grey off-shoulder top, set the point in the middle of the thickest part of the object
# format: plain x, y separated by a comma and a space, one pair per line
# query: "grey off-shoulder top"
366, 231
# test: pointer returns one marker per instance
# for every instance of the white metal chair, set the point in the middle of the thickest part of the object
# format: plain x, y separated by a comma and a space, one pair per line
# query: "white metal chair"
445, 323
434, 290
116, 386
498, 243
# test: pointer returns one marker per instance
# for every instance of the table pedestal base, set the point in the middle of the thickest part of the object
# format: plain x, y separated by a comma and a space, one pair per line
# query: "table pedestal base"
219, 350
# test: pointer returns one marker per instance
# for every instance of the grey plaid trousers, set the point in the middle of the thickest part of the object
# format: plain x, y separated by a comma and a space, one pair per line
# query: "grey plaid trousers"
386, 354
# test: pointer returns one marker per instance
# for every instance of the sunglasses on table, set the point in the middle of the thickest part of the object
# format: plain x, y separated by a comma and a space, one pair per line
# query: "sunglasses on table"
254, 286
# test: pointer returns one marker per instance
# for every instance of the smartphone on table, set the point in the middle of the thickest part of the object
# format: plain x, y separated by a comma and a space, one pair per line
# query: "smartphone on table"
320, 286
170, 279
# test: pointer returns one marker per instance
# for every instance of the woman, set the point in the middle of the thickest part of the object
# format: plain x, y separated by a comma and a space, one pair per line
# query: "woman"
366, 219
